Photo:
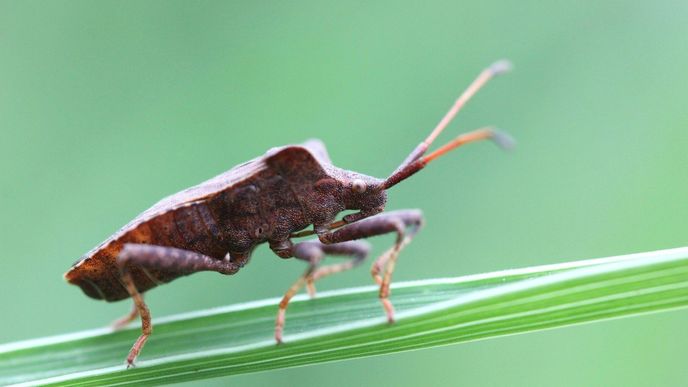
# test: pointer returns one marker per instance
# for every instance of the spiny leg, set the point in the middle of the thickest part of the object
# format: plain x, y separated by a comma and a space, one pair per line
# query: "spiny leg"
389, 222
182, 262
313, 252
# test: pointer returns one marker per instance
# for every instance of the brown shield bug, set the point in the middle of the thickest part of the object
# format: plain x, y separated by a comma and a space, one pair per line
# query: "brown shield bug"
215, 225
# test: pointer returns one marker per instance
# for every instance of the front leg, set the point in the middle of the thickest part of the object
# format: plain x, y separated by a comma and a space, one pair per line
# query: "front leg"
390, 222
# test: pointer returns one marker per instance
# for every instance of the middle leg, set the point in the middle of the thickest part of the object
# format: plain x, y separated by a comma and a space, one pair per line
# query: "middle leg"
313, 252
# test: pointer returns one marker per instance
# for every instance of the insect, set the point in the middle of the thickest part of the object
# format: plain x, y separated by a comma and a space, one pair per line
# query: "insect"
216, 225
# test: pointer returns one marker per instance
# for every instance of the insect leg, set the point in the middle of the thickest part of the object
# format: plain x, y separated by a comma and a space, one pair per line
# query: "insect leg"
389, 222
313, 252
126, 319
180, 261
381, 262
356, 250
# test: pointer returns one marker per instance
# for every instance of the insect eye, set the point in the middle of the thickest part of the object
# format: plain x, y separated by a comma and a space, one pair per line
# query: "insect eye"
358, 185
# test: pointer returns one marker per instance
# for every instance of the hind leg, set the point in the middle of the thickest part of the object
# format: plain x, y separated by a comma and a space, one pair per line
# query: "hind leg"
313, 252
182, 262
144, 312
123, 321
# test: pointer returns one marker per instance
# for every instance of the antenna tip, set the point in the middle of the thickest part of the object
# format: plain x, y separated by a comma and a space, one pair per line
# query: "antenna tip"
500, 67
503, 139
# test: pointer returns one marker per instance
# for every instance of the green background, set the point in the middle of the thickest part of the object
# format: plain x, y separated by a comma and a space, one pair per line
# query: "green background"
105, 107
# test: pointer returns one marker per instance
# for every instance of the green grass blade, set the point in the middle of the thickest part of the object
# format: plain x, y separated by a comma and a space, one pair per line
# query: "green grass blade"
350, 323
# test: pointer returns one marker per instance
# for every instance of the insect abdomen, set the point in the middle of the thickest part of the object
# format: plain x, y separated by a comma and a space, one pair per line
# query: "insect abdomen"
190, 228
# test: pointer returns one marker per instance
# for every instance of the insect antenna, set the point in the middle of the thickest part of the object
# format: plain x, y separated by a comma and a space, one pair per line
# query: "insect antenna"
415, 161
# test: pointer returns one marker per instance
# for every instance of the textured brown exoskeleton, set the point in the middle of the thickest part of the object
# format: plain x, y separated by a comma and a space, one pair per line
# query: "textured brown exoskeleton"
216, 225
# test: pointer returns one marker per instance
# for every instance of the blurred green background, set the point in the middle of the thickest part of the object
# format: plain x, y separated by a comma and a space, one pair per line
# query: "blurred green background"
105, 107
